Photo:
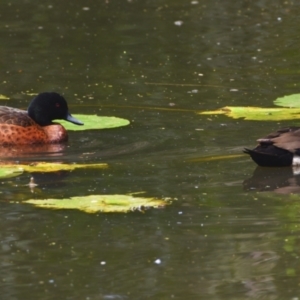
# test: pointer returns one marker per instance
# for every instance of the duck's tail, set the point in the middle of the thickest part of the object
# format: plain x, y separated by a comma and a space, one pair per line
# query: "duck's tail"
270, 156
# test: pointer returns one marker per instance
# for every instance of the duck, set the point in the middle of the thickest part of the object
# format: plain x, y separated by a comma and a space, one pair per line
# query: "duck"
36, 126
278, 149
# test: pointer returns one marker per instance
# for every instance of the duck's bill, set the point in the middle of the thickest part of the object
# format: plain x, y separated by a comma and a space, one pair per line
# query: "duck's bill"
73, 120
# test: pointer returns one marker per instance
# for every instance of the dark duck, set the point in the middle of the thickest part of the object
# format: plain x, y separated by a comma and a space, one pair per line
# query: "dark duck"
278, 149
36, 126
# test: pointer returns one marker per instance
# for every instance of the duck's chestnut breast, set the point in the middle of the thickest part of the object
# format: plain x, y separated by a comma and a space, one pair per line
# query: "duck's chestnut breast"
16, 127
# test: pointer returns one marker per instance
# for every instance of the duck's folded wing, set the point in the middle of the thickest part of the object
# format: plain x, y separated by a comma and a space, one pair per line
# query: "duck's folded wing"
286, 138
279, 132
14, 116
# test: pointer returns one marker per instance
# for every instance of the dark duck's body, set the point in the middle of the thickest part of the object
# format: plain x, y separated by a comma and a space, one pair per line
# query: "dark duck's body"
278, 149
35, 126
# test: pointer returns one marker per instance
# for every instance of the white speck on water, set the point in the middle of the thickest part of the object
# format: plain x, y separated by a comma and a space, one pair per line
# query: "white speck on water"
51, 281
157, 261
178, 23
233, 90
279, 19
103, 263
180, 212
194, 2
86, 8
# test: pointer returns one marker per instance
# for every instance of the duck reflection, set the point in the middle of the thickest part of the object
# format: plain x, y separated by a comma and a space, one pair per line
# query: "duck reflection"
279, 180
29, 154
31, 150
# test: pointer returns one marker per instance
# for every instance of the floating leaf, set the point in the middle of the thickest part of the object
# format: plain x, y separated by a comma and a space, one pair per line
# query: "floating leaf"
256, 113
213, 158
95, 122
101, 203
289, 101
2, 97
46, 167
10, 172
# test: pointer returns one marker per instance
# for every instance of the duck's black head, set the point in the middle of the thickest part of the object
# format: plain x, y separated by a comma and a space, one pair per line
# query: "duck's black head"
49, 106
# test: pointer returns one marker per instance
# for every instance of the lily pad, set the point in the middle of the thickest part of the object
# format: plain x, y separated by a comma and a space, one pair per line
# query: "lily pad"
289, 101
44, 167
3, 97
256, 113
101, 203
10, 172
95, 122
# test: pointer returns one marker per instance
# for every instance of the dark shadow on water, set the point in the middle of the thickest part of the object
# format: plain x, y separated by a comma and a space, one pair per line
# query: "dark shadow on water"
50, 179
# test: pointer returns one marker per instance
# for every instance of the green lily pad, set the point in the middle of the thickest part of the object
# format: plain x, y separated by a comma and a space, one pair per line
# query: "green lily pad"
256, 113
3, 97
101, 203
9, 170
290, 110
95, 122
289, 101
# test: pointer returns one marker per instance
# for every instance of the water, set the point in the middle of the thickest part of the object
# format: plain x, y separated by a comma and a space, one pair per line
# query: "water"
231, 231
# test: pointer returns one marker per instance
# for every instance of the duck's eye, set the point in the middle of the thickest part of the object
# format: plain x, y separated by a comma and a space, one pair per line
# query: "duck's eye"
57, 105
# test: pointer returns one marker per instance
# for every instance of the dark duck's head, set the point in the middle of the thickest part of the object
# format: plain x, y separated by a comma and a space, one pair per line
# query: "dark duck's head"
49, 106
